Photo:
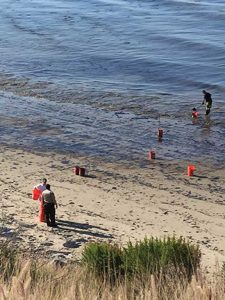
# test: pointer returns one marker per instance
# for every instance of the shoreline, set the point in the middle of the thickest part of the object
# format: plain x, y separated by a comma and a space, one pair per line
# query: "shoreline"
115, 202
124, 129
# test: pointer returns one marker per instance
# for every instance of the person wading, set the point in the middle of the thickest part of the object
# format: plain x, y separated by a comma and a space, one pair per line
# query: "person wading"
207, 101
49, 202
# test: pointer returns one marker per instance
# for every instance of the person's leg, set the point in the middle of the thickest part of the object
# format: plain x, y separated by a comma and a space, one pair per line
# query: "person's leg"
47, 214
52, 215
207, 111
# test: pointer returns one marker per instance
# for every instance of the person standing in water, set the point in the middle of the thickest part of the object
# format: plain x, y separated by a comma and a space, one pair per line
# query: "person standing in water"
207, 101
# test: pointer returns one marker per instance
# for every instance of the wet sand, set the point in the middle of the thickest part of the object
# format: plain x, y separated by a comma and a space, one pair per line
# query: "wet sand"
114, 202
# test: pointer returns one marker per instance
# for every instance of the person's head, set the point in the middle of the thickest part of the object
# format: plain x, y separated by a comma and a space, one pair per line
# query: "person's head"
48, 186
204, 92
194, 109
44, 181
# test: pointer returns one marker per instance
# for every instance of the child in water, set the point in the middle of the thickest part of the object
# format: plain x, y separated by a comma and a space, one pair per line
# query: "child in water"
194, 113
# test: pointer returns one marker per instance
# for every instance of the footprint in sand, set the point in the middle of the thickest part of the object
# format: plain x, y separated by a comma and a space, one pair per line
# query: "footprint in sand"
74, 244
195, 226
47, 244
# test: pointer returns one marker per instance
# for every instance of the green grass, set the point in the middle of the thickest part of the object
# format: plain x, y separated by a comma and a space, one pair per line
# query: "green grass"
160, 257
104, 259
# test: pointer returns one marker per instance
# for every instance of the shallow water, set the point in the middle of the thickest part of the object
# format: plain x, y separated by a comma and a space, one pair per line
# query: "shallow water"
99, 77
76, 128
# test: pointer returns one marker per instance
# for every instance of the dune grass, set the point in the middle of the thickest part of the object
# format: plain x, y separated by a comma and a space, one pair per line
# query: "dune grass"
44, 280
158, 257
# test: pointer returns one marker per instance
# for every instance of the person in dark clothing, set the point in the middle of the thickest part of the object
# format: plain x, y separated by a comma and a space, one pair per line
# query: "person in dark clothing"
49, 202
207, 101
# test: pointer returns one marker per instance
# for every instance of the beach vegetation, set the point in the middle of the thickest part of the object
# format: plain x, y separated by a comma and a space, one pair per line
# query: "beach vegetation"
40, 278
104, 259
159, 257
8, 260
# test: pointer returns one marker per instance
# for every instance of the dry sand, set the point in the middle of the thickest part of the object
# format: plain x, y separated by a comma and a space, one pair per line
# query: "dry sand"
114, 202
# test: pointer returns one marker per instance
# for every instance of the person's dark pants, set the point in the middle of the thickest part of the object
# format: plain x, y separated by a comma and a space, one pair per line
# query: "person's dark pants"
50, 213
207, 111
208, 107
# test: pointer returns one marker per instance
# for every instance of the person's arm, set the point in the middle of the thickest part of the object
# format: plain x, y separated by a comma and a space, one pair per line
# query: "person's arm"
54, 200
205, 97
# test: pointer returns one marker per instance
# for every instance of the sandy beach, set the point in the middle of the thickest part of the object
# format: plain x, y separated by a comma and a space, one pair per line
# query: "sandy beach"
114, 202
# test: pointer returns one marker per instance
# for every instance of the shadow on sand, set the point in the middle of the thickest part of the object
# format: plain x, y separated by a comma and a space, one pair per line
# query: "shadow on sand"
200, 176
83, 228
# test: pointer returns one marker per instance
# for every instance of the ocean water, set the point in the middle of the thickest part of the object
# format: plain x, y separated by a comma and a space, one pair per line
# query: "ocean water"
99, 77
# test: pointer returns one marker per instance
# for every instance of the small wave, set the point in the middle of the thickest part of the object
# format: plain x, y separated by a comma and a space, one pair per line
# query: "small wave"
26, 29
198, 2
